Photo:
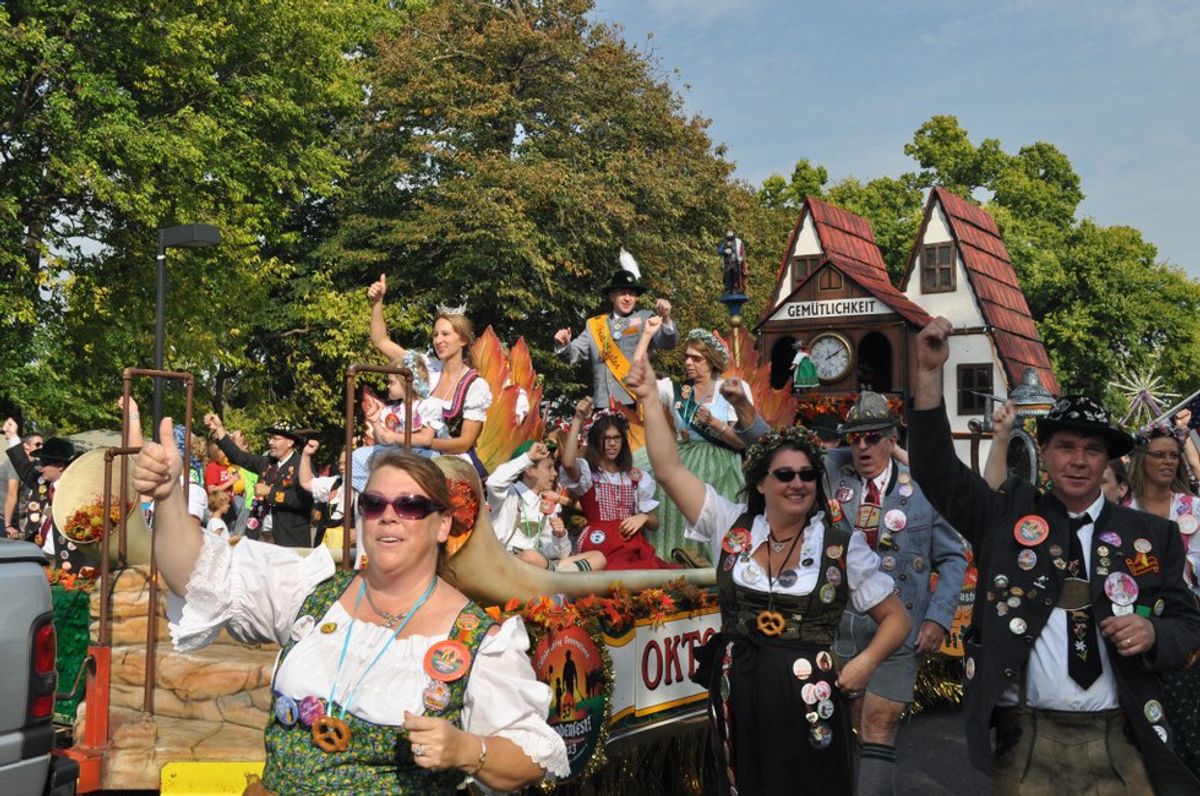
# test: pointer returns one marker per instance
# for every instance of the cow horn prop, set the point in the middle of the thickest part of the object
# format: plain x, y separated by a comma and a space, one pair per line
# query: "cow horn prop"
82, 487
487, 573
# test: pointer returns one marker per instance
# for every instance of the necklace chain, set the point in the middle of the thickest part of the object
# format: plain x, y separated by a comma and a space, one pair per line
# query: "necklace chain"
786, 558
777, 544
390, 619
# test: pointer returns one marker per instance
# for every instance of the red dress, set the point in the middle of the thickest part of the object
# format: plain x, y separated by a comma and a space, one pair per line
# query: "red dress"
605, 505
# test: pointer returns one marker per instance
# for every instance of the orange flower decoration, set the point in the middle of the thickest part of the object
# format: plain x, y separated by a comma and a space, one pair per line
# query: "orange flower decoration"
464, 507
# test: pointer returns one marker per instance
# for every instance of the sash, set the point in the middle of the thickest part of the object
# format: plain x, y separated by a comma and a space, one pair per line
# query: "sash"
686, 407
610, 355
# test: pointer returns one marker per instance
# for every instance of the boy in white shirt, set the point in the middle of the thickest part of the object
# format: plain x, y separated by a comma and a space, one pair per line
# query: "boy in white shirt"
526, 512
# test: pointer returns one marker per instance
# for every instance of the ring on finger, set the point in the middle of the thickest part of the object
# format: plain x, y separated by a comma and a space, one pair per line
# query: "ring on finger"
418, 750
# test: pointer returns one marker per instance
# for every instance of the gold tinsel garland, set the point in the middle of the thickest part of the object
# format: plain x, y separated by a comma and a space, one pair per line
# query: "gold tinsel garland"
939, 680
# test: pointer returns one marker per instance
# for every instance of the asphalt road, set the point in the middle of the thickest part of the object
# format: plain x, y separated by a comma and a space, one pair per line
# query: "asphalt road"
932, 751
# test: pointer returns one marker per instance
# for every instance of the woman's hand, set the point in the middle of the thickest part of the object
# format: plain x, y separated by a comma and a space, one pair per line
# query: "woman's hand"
441, 744
156, 469
310, 447
855, 675
583, 408
703, 417
631, 525
377, 289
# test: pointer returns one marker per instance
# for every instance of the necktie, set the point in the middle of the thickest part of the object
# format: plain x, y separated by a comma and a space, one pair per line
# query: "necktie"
1083, 652
871, 531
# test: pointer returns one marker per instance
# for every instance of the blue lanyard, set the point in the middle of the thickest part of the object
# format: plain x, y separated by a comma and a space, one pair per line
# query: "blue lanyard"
349, 695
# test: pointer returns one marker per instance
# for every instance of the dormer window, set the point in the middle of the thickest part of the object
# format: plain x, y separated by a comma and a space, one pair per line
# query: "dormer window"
937, 268
803, 266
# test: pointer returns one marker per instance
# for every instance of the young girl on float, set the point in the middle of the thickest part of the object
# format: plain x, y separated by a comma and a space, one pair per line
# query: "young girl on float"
526, 512
386, 420
617, 498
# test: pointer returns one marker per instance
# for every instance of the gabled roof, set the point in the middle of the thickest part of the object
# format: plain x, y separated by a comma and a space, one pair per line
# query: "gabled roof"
848, 242
994, 282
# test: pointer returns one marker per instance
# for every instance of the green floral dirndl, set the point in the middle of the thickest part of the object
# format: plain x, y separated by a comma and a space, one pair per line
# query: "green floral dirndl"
379, 757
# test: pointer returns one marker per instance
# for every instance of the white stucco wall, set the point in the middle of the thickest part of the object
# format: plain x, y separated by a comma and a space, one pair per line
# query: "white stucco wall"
970, 349
959, 307
806, 244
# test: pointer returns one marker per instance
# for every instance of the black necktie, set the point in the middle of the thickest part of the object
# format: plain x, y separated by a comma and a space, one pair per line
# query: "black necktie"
1083, 655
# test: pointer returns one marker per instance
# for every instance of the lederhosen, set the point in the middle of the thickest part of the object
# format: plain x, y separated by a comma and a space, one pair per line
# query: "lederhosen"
453, 417
768, 737
379, 759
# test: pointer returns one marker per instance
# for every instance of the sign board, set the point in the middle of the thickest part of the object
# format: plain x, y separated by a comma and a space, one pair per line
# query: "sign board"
652, 665
835, 308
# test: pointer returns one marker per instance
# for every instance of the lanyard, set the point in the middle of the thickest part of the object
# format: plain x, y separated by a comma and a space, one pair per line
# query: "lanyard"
348, 695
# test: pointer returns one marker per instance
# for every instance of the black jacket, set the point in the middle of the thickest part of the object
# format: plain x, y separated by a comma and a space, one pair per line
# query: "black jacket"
291, 506
998, 655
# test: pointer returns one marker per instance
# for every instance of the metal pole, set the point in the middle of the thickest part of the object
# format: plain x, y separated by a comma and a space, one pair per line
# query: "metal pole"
160, 323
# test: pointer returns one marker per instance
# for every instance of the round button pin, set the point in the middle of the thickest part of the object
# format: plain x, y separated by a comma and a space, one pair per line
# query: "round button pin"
1031, 530
787, 579
802, 668
895, 520
1017, 625
1142, 545
1153, 711
1121, 588
1027, 559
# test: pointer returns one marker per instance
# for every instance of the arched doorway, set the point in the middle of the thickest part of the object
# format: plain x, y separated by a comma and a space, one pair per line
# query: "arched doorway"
875, 363
781, 361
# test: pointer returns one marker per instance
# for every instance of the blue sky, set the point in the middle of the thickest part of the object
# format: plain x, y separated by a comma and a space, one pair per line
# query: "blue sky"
845, 84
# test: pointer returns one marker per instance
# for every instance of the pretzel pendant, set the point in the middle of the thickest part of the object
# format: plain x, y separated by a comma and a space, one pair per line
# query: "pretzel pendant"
331, 734
770, 623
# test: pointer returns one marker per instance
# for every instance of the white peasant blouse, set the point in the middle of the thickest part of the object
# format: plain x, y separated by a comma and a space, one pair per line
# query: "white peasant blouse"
255, 591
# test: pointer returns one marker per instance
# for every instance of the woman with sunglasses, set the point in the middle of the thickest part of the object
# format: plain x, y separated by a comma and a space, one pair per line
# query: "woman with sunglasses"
617, 498
785, 571
1159, 484
704, 421
389, 679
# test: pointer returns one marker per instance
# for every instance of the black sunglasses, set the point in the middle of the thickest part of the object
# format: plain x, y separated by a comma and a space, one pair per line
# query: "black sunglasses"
869, 437
407, 507
787, 474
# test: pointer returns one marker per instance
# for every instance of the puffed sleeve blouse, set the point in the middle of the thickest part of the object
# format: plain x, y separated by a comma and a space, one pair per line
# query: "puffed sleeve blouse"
256, 590
868, 586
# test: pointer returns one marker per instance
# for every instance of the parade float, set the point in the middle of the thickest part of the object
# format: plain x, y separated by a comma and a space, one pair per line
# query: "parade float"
617, 649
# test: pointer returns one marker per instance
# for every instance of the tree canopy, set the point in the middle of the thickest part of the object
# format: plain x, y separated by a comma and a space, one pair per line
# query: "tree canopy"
493, 152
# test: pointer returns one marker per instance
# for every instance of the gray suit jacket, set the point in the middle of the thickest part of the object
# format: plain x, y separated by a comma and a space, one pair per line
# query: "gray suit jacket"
603, 382
927, 544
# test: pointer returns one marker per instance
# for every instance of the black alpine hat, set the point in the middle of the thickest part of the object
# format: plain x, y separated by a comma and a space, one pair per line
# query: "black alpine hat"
1081, 413
56, 451
624, 280
286, 429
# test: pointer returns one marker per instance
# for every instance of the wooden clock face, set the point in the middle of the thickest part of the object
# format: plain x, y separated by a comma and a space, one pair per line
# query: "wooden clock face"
831, 355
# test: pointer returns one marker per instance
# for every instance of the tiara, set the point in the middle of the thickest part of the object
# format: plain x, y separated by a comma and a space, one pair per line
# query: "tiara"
710, 340
461, 309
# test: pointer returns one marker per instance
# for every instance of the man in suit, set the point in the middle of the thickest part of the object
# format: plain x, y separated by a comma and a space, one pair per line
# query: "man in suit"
877, 495
278, 491
1080, 605
608, 341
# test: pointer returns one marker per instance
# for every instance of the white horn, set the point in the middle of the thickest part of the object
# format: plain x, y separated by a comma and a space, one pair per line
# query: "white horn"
487, 573
82, 486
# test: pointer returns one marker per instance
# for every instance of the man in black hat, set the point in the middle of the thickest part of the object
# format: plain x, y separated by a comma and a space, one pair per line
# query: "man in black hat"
609, 340
1080, 605
278, 495
38, 474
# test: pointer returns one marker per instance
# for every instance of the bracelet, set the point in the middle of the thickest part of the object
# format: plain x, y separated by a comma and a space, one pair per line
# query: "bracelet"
482, 757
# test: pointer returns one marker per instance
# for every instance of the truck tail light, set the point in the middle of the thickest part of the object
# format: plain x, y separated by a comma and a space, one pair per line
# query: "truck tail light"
43, 677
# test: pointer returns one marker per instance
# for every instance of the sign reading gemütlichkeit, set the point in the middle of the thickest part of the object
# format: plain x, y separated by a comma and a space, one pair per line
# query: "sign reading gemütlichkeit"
835, 308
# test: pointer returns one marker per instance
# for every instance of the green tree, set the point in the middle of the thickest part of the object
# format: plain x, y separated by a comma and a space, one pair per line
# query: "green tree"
509, 150
118, 118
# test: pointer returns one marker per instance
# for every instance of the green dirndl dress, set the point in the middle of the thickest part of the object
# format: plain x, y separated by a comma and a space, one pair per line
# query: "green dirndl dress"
379, 758
705, 456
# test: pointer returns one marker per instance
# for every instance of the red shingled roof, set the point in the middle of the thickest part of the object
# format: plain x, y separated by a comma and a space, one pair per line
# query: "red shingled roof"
848, 242
997, 290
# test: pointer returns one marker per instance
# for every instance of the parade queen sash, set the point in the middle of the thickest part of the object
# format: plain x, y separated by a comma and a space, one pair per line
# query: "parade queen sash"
686, 407
610, 355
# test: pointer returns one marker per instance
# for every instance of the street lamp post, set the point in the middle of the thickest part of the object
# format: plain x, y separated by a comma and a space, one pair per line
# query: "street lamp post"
184, 236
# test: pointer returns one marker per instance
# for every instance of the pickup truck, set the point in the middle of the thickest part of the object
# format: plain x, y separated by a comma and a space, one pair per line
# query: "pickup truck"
28, 681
